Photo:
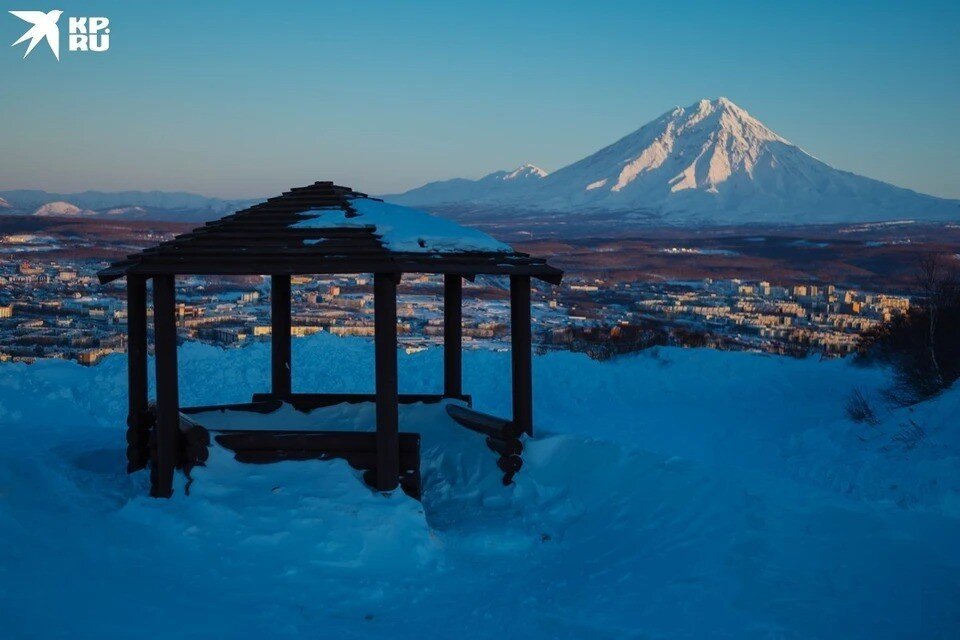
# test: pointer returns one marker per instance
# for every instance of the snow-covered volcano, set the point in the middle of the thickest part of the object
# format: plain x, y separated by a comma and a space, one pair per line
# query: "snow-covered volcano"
709, 162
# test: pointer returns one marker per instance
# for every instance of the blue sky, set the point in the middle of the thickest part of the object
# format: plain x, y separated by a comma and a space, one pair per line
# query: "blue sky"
246, 99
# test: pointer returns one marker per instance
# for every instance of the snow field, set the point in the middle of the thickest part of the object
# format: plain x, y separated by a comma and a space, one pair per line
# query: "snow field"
675, 493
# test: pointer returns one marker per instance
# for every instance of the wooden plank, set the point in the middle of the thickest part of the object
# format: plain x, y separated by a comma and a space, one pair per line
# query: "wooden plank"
256, 253
272, 232
363, 460
259, 242
293, 207
224, 262
264, 440
420, 263
321, 264
232, 260
521, 353
385, 356
271, 229
272, 237
452, 335
288, 208
138, 418
310, 401
325, 264
488, 425
168, 401
280, 343
266, 405
264, 240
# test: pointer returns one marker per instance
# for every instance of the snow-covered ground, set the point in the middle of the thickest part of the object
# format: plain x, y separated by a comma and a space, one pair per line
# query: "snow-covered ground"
675, 493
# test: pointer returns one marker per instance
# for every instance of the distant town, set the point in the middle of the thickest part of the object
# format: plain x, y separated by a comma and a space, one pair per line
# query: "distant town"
54, 307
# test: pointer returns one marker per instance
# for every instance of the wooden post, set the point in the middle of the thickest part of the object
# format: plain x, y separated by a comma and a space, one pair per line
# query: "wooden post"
385, 346
520, 351
137, 419
168, 400
280, 355
452, 335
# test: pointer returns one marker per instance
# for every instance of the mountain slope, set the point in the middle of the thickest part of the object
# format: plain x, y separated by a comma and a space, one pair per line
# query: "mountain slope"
710, 162
501, 184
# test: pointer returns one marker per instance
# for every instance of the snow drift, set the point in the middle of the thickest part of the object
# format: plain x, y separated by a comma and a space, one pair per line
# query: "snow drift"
675, 493
709, 162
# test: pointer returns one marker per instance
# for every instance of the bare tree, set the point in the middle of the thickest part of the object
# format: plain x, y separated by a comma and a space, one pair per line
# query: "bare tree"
859, 410
924, 345
932, 284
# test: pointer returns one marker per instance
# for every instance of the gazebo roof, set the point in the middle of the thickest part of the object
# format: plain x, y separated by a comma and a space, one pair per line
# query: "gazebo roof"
326, 228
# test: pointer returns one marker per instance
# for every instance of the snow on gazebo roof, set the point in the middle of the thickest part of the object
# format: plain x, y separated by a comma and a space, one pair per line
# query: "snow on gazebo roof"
325, 228
401, 228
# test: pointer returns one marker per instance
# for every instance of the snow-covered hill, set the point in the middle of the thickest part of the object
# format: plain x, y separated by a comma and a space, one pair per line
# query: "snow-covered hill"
126, 212
676, 493
154, 205
62, 209
709, 162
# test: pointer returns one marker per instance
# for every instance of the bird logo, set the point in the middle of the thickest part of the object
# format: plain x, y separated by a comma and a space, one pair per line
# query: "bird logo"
44, 26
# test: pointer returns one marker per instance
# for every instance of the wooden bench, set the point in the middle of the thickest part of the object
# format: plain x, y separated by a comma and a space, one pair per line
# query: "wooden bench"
262, 446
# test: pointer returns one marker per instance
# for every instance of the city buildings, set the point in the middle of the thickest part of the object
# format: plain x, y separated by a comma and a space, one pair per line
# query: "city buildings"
57, 308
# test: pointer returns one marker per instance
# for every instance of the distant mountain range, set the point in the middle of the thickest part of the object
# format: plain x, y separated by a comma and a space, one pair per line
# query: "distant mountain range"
121, 205
711, 162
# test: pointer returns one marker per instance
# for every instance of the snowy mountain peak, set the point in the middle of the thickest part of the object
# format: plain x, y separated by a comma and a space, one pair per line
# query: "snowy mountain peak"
722, 104
708, 105
696, 147
525, 171
65, 209
709, 162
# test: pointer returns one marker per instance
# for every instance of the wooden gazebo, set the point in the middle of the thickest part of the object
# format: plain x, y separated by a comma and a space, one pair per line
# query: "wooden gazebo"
321, 229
